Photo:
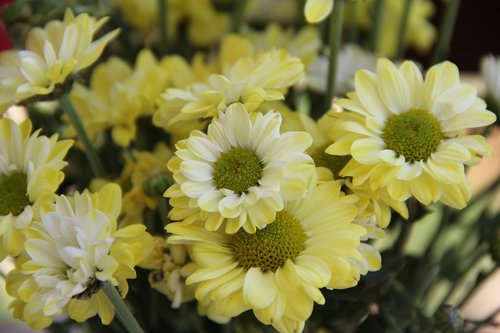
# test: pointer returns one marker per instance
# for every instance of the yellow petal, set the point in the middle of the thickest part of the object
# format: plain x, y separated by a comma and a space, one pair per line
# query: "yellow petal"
317, 10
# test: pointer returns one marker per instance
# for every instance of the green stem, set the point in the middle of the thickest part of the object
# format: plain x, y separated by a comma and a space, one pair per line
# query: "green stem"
122, 311
335, 39
352, 27
93, 157
163, 21
403, 25
377, 24
238, 14
445, 32
163, 211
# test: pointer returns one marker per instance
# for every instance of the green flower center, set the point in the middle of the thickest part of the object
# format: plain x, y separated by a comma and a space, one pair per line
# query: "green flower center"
332, 162
13, 192
237, 169
414, 134
269, 248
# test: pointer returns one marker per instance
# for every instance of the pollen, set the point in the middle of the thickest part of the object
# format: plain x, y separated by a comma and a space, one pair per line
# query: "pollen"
269, 248
238, 169
414, 134
13, 191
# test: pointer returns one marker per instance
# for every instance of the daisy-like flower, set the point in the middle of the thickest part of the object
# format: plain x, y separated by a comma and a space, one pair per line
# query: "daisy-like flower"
171, 264
406, 134
52, 55
71, 253
317, 10
278, 271
30, 173
241, 172
250, 80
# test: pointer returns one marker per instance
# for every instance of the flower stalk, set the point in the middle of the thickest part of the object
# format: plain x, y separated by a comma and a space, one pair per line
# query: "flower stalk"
238, 14
446, 32
122, 311
402, 29
335, 40
163, 22
94, 160
377, 24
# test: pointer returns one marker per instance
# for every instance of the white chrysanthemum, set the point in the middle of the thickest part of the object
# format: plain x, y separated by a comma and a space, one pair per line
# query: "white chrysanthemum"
30, 173
52, 54
351, 58
240, 172
70, 254
250, 81
407, 134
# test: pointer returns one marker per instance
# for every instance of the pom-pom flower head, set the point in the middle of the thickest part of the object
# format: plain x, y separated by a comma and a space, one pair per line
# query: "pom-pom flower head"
277, 272
406, 134
71, 253
240, 172
30, 173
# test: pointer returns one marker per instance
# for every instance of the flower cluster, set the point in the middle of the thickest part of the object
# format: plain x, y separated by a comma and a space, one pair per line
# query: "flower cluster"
224, 166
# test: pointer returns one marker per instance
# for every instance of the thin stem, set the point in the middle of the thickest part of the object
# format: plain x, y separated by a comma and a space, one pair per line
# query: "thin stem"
163, 22
403, 25
445, 32
377, 24
163, 210
335, 40
122, 311
93, 157
238, 14
352, 27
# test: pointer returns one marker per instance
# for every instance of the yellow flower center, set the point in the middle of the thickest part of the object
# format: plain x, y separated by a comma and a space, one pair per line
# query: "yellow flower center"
332, 162
414, 134
13, 192
269, 248
237, 169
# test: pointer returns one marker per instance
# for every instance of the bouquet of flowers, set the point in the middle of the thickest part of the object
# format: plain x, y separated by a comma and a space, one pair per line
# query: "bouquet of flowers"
241, 166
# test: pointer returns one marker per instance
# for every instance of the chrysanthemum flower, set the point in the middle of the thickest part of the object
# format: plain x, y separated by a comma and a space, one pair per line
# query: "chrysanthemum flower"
317, 10
250, 81
171, 264
406, 134
52, 54
241, 172
30, 173
278, 271
71, 253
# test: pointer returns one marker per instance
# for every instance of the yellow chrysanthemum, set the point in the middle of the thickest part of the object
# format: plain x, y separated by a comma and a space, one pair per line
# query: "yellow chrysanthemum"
171, 264
71, 253
52, 54
241, 172
119, 95
30, 173
317, 10
278, 271
251, 81
406, 134
204, 24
